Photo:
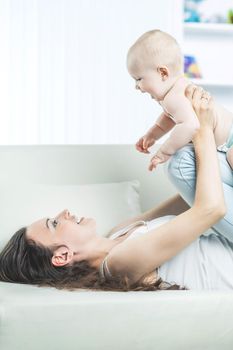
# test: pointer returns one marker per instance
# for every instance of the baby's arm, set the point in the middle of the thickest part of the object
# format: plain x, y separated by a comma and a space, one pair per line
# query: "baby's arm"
186, 125
164, 123
160, 128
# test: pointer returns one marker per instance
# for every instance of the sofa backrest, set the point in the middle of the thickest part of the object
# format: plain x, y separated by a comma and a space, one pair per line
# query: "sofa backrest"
40, 181
83, 164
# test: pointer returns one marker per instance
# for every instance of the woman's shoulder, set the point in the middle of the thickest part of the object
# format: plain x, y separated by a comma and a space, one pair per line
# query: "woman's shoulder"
108, 266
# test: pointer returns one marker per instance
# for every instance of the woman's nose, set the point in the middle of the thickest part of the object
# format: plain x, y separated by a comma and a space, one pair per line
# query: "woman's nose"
64, 214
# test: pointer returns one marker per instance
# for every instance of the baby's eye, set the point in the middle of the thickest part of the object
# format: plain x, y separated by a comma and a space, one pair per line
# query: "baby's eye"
54, 223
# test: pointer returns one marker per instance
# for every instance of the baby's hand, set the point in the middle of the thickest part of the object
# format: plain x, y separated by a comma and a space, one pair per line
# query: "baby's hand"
145, 142
158, 158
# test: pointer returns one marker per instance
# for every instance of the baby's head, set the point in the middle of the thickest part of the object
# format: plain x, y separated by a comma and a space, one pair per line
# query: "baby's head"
156, 57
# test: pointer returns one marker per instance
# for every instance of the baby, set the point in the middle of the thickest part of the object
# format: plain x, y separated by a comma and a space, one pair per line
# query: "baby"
155, 62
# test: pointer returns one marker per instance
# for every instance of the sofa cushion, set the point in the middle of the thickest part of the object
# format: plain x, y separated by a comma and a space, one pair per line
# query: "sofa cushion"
108, 203
45, 318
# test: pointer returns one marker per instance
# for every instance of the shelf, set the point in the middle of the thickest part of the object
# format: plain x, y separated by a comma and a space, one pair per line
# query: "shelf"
208, 28
205, 82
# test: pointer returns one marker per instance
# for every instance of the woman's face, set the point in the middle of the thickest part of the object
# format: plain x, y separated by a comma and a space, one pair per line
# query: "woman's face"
64, 229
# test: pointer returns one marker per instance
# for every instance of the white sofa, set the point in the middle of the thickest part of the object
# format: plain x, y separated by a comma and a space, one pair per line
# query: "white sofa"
33, 318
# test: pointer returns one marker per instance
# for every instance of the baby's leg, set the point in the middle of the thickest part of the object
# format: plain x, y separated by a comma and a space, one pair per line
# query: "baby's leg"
182, 173
230, 156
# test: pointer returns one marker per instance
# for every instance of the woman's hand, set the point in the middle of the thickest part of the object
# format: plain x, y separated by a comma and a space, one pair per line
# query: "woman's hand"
202, 103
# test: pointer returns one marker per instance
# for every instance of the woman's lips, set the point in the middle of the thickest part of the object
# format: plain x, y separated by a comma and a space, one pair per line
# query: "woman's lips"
78, 220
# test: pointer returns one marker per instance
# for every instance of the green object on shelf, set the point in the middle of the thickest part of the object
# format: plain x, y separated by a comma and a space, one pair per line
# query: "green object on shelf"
230, 16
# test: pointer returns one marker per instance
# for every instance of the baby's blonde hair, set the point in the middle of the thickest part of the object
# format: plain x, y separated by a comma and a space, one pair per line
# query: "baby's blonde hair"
156, 48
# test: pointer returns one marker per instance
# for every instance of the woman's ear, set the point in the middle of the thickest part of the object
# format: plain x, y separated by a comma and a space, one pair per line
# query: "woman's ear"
62, 256
164, 72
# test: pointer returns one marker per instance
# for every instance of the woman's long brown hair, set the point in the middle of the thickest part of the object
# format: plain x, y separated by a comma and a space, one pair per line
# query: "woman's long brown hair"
24, 261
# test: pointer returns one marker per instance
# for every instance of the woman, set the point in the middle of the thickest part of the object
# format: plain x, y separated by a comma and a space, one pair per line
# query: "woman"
66, 252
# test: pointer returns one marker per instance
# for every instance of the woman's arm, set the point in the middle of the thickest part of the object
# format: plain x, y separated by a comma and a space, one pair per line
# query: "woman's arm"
140, 256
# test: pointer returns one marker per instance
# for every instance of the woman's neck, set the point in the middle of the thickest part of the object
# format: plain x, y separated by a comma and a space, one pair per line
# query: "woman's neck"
99, 247
96, 250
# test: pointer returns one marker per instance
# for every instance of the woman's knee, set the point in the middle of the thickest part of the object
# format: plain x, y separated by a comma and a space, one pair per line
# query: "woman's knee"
181, 171
182, 167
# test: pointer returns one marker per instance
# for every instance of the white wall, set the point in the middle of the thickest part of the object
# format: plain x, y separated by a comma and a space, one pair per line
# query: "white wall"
63, 77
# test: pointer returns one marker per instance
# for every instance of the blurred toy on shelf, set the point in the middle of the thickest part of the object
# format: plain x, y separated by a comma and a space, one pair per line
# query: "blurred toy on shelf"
191, 68
208, 11
191, 11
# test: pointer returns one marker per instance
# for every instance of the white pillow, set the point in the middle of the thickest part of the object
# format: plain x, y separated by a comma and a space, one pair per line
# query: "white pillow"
108, 203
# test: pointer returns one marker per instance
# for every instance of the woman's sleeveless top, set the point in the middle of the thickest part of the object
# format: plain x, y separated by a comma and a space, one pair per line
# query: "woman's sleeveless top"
206, 264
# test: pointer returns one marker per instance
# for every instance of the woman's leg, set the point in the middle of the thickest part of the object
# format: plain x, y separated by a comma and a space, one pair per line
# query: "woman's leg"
181, 171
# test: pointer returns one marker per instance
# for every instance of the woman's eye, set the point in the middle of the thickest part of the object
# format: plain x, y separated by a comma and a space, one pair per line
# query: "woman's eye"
54, 223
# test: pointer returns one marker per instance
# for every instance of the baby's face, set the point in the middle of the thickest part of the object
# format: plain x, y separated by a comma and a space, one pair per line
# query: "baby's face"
148, 80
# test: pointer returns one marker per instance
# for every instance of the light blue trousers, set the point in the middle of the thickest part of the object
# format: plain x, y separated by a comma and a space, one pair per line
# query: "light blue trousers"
181, 170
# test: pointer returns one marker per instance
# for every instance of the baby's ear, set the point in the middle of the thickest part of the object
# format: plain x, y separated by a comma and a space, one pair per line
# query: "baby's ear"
164, 72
